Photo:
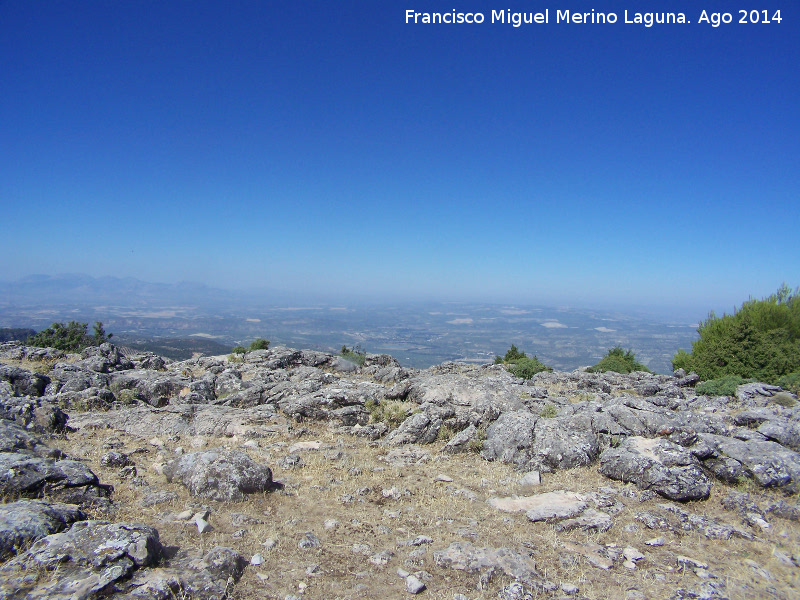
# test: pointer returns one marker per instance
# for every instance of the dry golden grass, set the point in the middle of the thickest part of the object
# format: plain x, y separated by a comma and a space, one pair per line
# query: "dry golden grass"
370, 523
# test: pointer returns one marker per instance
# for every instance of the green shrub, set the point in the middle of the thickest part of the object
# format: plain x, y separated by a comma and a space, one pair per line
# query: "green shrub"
526, 368
355, 355
520, 365
760, 340
239, 350
71, 337
259, 344
618, 361
722, 386
790, 382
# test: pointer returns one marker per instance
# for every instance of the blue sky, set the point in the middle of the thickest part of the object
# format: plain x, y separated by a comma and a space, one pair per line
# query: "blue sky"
331, 148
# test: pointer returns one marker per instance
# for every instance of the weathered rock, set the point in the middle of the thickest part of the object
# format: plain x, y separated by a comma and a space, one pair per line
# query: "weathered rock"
768, 463
34, 414
24, 382
26, 521
419, 428
34, 476
543, 507
463, 556
659, 465
87, 558
219, 475
510, 438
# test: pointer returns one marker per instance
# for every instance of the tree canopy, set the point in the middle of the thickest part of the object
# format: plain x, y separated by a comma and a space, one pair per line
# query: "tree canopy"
760, 340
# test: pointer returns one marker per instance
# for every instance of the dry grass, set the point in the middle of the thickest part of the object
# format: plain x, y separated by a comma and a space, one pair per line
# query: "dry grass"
368, 523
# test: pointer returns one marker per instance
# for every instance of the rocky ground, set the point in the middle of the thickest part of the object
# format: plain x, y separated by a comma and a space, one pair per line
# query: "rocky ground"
296, 474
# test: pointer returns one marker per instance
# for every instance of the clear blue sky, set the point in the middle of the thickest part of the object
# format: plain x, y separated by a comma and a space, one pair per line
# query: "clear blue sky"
330, 147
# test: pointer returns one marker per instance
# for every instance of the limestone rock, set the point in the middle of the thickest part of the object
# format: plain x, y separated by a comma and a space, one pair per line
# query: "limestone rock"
219, 475
659, 465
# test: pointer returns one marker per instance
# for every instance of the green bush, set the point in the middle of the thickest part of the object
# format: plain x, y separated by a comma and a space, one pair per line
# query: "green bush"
790, 382
526, 368
72, 337
722, 386
355, 355
619, 361
520, 365
760, 340
259, 344
239, 350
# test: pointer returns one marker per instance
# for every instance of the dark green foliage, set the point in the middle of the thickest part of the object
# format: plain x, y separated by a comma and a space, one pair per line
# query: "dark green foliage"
10, 334
100, 335
619, 361
760, 340
520, 365
525, 368
71, 337
239, 350
259, 344
790, 382
723, 386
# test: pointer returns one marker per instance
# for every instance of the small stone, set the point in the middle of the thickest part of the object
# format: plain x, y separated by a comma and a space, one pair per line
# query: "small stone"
361, 549
309, 541
531, 478
444, 478
703, 574
203, 514
202, 525
685, 561
659, 541
313, 570
331, 524
269, 544
632, 554
421, 539
184, 516
257, 559
569, 589
179, 450
156, 442
403, 573
629, 564
381, 558
250, 444
414, 585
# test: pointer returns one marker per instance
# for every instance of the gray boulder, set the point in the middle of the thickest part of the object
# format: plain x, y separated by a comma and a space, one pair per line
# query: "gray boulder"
22, 381
26, 521
34, 414
658, 465
219, 475
510, 438
22, 474
770, 464
419, 428
562, 443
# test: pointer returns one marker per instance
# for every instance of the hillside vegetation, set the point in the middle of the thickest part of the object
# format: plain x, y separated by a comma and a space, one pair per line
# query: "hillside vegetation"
760, 340
618, 361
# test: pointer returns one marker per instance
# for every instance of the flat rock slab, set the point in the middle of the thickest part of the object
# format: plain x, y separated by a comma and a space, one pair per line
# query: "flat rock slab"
542, 507
463, 556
